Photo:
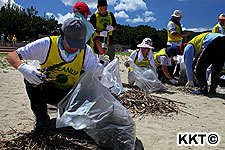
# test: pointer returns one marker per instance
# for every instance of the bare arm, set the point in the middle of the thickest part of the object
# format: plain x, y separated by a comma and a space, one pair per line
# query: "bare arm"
181, 34
99, 46
14, 60
166, 73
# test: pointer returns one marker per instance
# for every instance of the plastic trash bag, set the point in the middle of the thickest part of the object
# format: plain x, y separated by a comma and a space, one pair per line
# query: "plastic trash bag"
111, 77
89, 106
146, 78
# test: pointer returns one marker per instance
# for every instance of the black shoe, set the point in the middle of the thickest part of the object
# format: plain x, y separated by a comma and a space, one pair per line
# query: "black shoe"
41, 123
212, 91
199, 92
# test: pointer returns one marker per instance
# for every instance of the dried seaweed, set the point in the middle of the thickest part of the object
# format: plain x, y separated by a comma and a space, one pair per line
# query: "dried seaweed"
140, 103
63, 138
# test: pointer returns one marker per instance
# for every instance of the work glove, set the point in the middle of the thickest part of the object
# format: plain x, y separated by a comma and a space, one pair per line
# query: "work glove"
128, 62
103, 58
109, 28
190, 83
179, 59
174, 82
104, 33
31, 74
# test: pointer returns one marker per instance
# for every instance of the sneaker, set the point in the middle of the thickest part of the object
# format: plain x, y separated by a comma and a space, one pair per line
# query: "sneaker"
199, 92
41, 123
212, 91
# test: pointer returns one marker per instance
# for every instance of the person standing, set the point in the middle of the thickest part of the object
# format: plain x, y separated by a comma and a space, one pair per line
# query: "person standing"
220, 26
174, 29
105, 23
202, 51
81, 10
3, 39
14, 40
69, 47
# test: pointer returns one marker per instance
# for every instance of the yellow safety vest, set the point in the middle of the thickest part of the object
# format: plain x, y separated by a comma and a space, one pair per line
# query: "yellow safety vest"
143, 63
197, 42
91, 41
216, 29
172, 38
102, 22
67, 75
161, 52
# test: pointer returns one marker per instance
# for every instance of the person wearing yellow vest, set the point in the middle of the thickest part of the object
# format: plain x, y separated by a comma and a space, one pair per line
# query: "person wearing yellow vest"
174, 29
164, 58
142, 57
69, 47
220, 26
105, 23
202, 51
81, 10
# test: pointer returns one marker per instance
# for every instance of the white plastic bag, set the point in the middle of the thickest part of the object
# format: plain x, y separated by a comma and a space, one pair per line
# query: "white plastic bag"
89, 106
146, 78
111, 77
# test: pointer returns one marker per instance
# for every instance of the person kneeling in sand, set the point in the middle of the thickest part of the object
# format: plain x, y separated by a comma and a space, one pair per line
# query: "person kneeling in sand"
164, 58
142, 57
69, 47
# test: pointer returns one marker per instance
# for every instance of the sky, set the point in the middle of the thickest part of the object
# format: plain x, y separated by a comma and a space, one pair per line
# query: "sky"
198, 15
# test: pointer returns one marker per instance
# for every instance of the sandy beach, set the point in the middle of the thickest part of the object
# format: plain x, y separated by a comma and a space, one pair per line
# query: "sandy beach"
155, 132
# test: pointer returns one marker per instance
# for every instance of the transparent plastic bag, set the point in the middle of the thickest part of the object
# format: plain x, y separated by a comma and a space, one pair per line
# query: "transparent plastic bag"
111, 77
146, 78
90, 106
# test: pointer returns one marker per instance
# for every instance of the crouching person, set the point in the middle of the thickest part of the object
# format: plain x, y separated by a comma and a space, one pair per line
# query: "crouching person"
202, 51
163, 59
69, 47
142, 57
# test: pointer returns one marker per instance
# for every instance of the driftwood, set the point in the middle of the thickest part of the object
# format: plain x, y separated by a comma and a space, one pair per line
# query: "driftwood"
140, 103
63, 138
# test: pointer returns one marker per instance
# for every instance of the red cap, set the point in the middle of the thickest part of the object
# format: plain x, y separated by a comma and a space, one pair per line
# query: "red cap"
80, 6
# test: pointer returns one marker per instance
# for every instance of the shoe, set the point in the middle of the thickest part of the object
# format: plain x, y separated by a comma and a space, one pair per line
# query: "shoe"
212, 91
199, 92
41, 123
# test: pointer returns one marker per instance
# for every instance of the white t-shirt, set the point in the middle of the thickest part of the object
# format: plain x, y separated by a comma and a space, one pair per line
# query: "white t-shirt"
172, 29
164, 60
38, 50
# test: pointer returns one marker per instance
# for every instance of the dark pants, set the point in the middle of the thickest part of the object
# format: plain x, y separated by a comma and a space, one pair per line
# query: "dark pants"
42, 95
213, 54
161, 74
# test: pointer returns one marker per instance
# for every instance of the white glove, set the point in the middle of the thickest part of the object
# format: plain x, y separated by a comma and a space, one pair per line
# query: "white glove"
103, 58
128, 63
174, 82
104, 33
180, 59
109, 28
31, 74
190, 83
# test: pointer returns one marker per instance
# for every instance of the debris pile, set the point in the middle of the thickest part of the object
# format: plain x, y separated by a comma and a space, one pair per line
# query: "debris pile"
63, 138
139, 103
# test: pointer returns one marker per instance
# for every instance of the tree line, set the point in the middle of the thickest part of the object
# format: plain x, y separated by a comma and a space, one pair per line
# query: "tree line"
27, 25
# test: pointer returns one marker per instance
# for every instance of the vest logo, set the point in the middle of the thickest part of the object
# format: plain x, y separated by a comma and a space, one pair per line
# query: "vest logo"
143, 64
61, 78
67, 69
198, 139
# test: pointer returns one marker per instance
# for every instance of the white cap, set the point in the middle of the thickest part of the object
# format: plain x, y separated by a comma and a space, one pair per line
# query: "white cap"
146, 43
222, 16
177, 13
